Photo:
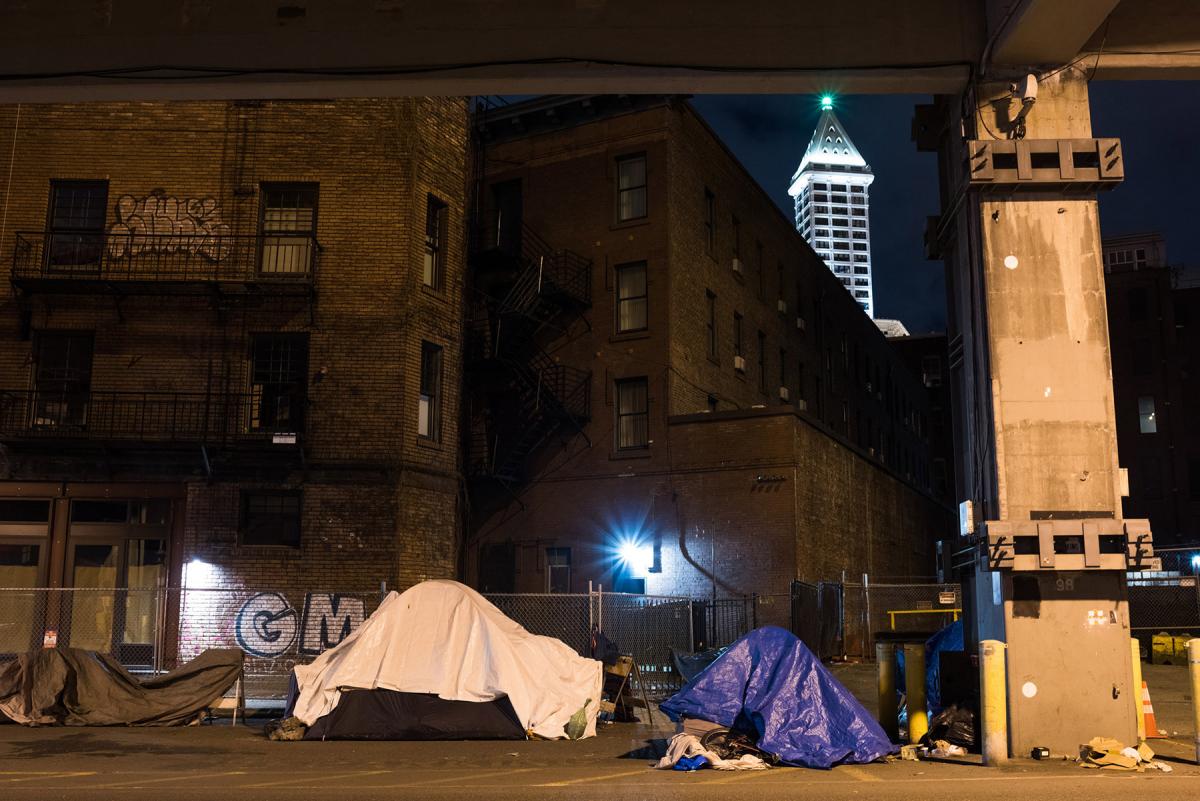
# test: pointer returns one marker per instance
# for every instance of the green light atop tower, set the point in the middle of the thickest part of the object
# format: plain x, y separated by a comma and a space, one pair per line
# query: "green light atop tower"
827, 102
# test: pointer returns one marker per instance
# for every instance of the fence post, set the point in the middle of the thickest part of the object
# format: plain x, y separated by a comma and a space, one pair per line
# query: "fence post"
382, 591
754, 610
866, 599
691, 612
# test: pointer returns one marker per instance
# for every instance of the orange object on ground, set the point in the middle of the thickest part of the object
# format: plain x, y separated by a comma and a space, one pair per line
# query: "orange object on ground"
1148, 714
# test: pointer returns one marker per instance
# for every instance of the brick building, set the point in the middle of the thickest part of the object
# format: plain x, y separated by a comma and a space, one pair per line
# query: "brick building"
670, 392
1154, 322
927, 355
230, 353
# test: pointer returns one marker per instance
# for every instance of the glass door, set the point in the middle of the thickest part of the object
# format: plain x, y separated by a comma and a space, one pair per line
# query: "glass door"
20, 612
117, 566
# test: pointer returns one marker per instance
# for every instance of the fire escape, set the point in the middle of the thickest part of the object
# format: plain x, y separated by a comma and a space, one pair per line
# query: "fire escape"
528, 295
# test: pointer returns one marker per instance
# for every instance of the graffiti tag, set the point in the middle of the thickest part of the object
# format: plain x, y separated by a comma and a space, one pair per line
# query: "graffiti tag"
161, 223
267, 625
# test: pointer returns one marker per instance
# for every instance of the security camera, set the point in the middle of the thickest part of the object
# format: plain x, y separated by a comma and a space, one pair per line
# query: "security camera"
1026, 89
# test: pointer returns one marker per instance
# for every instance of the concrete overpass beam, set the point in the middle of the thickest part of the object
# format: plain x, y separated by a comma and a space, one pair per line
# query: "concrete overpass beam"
1029, 32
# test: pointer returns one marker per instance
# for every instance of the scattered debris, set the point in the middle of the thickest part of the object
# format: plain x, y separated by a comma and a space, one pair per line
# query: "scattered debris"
686, 752
909, 752
1109, 754
942, 748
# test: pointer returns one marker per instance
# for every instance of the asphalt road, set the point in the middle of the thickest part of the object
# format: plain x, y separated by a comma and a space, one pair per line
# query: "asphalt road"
233, 763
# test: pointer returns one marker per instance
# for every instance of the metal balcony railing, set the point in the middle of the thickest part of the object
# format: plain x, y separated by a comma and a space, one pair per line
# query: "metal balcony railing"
153, 417
545, 269
61, 260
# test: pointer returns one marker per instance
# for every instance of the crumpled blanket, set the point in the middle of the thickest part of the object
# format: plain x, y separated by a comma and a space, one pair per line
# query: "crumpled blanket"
686, 748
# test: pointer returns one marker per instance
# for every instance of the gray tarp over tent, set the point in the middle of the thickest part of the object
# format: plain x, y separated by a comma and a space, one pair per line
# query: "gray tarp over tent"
72, 687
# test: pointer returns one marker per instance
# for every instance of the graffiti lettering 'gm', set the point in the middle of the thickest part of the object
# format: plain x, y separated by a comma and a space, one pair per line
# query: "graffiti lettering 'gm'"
266, 625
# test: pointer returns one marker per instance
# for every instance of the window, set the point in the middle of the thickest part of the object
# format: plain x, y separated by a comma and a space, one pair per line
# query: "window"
271, 518
633, 415
710, 221
779, 274
762, 362
77, 211
278, 382
435, 235
288, 226
62, 378
631, 187
800, 381
1147, 422
429, 403
631, 297
558, 570
737, 335
711, 325
736, 224
783, 367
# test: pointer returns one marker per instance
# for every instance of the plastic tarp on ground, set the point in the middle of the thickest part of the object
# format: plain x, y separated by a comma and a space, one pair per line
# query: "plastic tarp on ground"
73, 687
769, 683
443, 638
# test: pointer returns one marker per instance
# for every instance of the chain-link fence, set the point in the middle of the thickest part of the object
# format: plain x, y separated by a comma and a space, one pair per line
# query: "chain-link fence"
866, 609
155, 629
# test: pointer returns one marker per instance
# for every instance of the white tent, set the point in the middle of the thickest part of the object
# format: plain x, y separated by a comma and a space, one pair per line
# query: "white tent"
442, 637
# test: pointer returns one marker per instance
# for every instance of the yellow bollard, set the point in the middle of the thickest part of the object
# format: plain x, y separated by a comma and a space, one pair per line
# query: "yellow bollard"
1136, 647
1193, 647
994, 702
914, 690
885, 661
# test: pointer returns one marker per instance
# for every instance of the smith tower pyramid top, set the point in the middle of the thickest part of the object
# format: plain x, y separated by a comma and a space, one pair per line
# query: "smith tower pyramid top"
830, 189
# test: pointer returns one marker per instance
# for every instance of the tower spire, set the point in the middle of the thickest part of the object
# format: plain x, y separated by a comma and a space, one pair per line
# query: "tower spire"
830, 191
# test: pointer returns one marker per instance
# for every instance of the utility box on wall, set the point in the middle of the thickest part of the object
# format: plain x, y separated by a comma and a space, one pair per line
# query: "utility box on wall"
1055, 592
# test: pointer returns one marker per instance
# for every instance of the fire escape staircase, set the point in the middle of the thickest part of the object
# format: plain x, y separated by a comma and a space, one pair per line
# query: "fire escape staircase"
534, 396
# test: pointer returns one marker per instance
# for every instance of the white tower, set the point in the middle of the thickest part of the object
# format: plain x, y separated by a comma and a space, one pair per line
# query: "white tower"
830, 194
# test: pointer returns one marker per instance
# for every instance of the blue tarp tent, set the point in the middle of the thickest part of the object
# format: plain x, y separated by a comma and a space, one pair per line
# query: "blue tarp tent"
770, 683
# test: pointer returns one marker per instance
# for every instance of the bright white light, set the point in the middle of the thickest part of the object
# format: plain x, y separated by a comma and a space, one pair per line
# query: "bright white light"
826, 102
198, 574
638, 557
1196, 562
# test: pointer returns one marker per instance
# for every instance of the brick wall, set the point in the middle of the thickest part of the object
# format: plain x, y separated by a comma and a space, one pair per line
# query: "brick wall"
375, 162
849, 496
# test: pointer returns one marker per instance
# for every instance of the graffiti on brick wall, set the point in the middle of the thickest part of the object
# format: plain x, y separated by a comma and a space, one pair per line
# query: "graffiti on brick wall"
162, 223
267, 625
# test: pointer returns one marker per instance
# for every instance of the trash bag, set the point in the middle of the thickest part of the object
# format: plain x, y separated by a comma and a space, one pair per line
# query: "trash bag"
691, 665
956, 725
288, 729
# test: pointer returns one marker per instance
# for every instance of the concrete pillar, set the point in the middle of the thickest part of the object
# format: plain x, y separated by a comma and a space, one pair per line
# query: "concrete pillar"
1033, 384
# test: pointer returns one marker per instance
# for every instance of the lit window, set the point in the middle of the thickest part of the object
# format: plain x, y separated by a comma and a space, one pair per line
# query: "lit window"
631, 297
558, 570
631, 187
435, 234
633, 416
288, 224
1147, 420
429, 402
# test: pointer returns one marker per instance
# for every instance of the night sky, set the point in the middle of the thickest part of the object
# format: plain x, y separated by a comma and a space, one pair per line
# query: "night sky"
1155, 121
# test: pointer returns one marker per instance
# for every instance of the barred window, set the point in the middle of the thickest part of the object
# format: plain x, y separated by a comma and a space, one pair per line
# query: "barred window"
429, 403
288, 224
271, 518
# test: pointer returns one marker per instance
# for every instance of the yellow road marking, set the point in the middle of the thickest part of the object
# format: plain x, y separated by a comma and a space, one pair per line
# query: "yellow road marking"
602, 777
463, 777
859, 774
176, 778
58, 774
320, 778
